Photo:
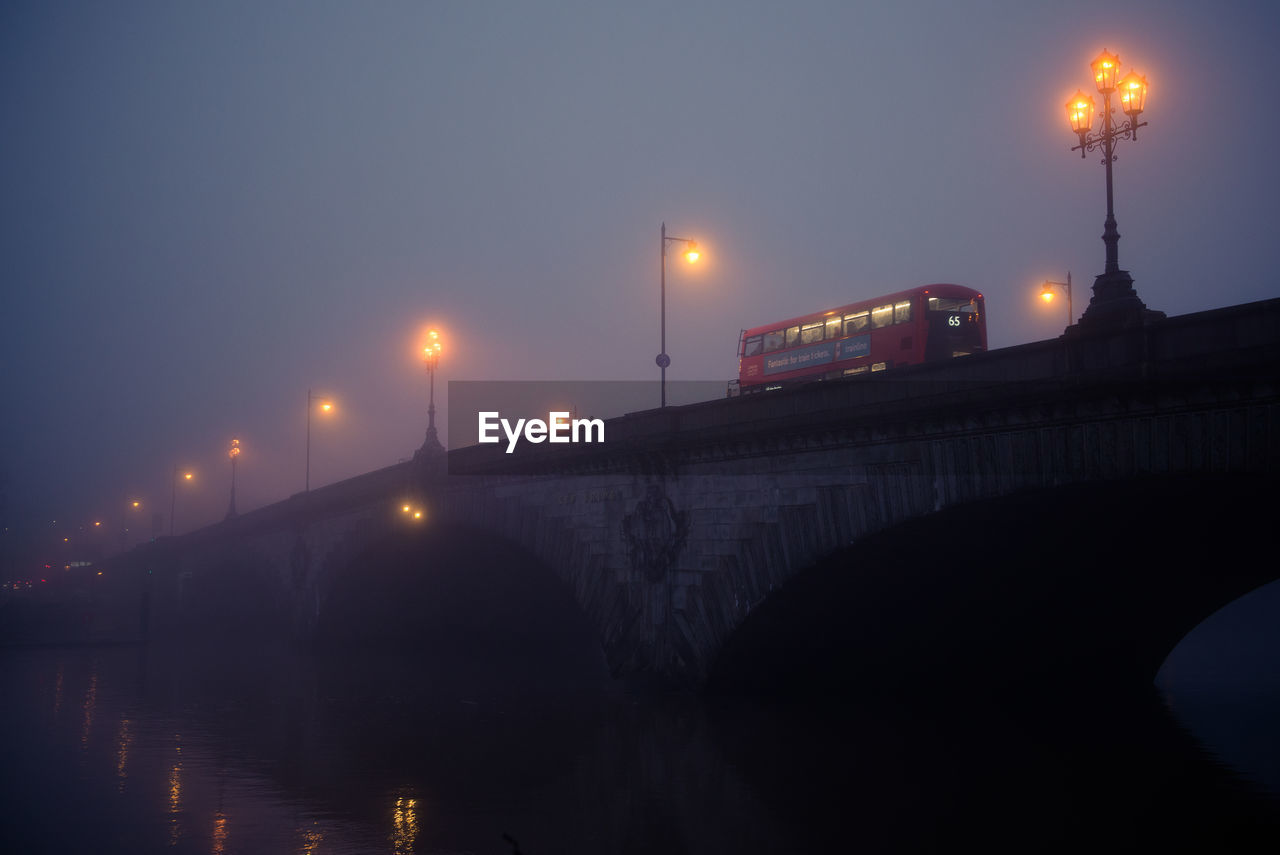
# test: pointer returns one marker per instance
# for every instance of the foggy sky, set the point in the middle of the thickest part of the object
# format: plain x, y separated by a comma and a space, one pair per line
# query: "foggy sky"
209, 208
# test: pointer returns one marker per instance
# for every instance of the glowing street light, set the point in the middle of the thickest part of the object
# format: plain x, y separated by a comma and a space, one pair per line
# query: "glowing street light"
233, 452
431, 357
691, 255
326, 407
1114, 302
131, 505
1047, 294
173, 500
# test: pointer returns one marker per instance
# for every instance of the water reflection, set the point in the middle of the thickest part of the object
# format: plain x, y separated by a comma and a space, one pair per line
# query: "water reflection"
123, 740
404, 824
271, 751
309, 839
90, 701
219, 833
174, 804
57, 692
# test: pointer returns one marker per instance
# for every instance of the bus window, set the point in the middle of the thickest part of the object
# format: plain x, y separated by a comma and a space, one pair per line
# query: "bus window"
856, 323
773, 341
881, 316
754, 346
951, 304
793, 336
902, 312
833, 327
810, 333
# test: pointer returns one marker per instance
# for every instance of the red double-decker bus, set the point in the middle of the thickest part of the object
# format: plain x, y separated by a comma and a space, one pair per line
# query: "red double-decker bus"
925, 324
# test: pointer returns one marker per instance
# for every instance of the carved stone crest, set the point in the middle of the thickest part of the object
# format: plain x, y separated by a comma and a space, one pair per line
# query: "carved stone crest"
654, 533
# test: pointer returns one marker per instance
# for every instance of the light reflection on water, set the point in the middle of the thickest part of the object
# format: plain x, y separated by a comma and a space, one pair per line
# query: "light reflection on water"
175, 794
277, 752
123, 740
309, 838
219, 833
404, 825
90, 701
57, 692
148, 784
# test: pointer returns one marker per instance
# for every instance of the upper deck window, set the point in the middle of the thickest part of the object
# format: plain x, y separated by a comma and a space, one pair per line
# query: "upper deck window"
809, 333
902, 312
953, 304
856, 323
754, 346
881, 316
773, 341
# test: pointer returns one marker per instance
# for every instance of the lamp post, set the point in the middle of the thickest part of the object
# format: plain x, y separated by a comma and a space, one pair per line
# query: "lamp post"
1046, 294
431, 356
1114, 303
173, 501
134, 505
691, 255
233, 453
326, 406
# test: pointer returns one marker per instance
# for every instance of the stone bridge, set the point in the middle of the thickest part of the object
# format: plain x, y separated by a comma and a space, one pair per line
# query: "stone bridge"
689, 519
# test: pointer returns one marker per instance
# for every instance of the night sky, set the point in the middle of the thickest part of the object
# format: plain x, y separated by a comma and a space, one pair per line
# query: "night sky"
207, 209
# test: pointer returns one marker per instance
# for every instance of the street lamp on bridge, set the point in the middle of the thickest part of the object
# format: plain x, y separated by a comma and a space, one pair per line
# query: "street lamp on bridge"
691, 255
133, 505
233, 453
326, 407
1047, 294
173, 500
431, 357
1115, 303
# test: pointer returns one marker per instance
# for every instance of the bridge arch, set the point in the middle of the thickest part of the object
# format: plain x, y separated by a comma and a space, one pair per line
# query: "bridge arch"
456, 595
1092, 581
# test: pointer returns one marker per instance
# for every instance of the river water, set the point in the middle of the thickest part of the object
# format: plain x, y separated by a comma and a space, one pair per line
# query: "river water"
261, 749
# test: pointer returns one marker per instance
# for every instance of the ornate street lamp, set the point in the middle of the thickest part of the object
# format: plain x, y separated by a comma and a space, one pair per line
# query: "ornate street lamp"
326, 407
1114, 302
691, 255
1047, 294
431, 357
233, 453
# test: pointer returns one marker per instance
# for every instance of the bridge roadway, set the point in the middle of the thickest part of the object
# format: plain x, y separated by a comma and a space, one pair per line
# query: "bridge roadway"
688, 519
